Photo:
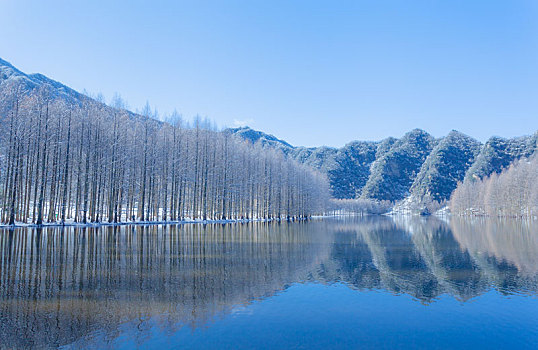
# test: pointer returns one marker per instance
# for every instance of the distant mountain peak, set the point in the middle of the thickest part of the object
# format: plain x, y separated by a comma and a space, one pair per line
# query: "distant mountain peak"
32, 81
254, 136
6, 63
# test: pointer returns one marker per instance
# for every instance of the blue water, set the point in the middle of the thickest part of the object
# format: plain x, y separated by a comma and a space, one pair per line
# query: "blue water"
331, 283
315, 316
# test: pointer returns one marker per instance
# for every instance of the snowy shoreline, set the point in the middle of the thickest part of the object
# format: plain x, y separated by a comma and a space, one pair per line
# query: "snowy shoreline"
147, 223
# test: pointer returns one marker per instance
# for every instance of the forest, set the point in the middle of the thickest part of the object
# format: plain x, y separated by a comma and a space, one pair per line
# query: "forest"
510, 193
80, 161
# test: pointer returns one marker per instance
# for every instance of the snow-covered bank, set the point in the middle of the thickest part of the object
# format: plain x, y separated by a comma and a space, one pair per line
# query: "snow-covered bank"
71, 223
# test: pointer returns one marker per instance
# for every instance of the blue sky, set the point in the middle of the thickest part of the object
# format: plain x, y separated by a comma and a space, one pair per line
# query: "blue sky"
313, 73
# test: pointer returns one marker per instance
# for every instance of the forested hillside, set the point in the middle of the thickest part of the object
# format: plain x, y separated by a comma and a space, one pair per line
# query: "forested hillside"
351, 169
417, 170
393, 172
444, 167
513, 192
498, 153
65, 156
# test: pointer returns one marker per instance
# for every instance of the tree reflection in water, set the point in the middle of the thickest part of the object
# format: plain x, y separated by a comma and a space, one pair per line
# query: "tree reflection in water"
58, 285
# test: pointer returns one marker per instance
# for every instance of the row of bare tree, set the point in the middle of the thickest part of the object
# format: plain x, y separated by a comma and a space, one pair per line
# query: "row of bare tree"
359, 206
513, 192
88, 162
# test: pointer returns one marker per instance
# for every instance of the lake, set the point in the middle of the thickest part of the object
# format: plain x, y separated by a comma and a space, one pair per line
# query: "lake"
373, 282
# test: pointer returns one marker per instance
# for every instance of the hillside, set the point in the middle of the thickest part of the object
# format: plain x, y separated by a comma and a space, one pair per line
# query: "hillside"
416, 167
497, 153
255, 136
444, 167
33, 81
351, 169
393, 172
10, 77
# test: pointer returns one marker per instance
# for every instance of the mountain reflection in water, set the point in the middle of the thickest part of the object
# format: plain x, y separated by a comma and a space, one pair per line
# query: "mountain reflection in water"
59, 285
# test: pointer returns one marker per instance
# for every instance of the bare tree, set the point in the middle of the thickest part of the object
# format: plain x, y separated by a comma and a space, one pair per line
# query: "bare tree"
85, 161
511, 193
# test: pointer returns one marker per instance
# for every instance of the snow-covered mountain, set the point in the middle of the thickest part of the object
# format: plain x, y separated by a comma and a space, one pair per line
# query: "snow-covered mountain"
33, 81
9, 75
255, 136
416, 166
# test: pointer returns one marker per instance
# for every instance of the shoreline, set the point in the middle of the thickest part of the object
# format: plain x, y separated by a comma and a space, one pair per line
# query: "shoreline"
150, 223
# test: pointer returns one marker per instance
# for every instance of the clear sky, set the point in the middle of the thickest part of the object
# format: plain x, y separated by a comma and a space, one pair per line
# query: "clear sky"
313, 73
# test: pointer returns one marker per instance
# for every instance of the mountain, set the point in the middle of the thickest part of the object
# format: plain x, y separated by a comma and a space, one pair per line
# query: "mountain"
416, 167
351, 168
10, 76
8, 73
498, 153
255, 136
393, 172
320, 158
444, 167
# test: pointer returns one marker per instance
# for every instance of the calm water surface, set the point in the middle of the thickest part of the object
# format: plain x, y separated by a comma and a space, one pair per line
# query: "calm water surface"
330, 283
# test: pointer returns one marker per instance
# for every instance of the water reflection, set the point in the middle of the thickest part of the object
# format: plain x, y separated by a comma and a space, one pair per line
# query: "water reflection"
59, 285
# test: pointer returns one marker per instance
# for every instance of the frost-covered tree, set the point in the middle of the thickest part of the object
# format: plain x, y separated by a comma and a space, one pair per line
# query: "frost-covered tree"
513, 192
84, 161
